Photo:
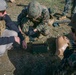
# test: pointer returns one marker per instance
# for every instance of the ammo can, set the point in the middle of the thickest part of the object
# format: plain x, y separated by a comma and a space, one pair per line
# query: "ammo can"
39, 47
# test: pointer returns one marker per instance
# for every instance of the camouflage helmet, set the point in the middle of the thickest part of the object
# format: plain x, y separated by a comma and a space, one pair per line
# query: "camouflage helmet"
34, 9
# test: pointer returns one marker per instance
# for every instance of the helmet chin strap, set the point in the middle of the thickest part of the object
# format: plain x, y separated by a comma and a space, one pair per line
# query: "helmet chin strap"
35, 20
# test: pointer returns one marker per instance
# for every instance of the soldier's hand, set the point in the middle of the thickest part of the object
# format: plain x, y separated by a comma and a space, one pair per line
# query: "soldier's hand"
24, 44
35, 30
17, 39
3, 13
66, 39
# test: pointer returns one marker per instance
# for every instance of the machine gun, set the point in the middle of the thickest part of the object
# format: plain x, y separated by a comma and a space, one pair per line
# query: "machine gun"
56, 23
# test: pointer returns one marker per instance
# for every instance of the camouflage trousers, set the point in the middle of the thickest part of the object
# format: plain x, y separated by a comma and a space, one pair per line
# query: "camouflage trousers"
68, 6
6, 33
26, 24
67, 65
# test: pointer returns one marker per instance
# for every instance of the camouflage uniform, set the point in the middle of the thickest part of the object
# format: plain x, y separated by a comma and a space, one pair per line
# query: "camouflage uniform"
68, 63
68, 5
40, 23
71, 60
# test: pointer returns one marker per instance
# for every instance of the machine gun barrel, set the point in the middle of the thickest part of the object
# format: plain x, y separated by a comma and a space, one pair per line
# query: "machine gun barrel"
56, 23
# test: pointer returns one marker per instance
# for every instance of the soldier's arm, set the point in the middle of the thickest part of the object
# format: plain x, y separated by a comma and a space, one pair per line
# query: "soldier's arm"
22, 15
46, 16
10, 24
6, 40
39, 28
11, 39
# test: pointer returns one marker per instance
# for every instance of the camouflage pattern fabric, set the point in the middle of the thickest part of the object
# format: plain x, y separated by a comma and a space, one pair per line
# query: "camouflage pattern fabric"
44, 29
40, 23
67, 65
73, 10
25, 23
34, 9
2, 26
68, 5
72, 60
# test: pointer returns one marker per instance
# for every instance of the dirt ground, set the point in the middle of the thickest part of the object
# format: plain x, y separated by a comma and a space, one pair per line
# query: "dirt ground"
22, 62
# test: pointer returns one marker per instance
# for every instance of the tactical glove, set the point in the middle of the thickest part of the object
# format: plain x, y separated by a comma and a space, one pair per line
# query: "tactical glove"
31, 33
